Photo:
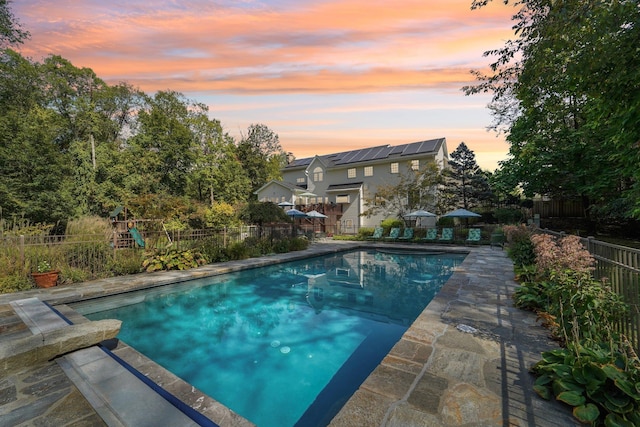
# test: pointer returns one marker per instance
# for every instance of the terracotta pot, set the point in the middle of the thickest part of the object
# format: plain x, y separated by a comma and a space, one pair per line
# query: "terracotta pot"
47, 279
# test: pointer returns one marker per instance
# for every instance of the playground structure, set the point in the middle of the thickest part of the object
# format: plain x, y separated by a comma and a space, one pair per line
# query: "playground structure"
126, 233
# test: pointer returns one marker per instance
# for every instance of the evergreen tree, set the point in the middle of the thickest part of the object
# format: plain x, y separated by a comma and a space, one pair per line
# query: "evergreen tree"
466, 184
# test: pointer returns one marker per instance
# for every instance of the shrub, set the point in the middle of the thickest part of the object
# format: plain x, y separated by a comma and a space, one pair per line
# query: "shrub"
14, 283
520, 248
299, 244
365, 232
237, 250
556, 256
507, 216
73, 275
126, 261
173, 260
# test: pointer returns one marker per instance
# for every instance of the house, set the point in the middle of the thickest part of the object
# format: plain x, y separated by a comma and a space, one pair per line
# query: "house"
337, 185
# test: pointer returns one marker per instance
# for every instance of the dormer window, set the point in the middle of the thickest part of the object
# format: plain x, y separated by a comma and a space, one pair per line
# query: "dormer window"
318, 174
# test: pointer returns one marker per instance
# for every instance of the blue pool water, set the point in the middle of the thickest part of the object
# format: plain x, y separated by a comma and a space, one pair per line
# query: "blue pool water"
287, 344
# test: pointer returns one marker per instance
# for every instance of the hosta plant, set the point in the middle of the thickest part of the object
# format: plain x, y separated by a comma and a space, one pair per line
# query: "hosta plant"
602, 385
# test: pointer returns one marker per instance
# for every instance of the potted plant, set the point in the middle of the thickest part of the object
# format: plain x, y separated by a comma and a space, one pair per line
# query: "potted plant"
45, 277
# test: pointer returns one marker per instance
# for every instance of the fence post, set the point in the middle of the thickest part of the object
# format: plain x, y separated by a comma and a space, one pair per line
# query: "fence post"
22, 260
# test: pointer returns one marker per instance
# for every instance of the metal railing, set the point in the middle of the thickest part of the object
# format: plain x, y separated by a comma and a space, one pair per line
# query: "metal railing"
620, 266
85, 257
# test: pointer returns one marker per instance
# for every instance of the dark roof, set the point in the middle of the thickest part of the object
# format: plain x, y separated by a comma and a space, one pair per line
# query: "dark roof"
373, 153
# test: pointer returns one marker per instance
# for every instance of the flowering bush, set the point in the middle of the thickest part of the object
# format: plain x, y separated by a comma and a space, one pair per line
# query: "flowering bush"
558, 255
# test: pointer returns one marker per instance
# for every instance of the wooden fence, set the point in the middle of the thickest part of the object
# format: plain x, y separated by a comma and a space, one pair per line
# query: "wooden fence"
620, 265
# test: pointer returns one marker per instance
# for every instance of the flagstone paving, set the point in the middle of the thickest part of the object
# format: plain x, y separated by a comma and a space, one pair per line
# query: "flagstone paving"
463, 362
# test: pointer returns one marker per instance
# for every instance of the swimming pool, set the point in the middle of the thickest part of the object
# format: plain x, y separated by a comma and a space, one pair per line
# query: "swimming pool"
286, 344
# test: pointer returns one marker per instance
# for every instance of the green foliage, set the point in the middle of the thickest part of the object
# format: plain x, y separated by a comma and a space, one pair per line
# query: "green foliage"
508, 216
599, 382
221, 214
365, 232
598, 372
14, 283
572, 133
263, 213
237, 251
520, 247
173, 260
70, 275
126, 261
389, 223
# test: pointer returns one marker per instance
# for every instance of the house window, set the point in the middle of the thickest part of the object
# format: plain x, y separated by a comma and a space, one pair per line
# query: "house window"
415, 165
300, 180
394, 167
351, 173
343, 198
368, 171
318, 175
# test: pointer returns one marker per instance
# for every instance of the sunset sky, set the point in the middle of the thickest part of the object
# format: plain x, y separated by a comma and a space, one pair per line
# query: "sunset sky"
325, 75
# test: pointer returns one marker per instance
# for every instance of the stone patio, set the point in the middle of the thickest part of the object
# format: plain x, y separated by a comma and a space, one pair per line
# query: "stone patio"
463, 362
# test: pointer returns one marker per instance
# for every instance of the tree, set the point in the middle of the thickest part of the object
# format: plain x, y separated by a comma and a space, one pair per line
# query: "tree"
413, 190
261, 155
10, 31
262, 213
566, 92
465, 183
217, 174
164, 149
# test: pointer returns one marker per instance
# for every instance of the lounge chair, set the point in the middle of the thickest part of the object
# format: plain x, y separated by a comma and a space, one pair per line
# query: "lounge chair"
393, 234
447, 235
408, 234
432, 234
474, 235
377, 234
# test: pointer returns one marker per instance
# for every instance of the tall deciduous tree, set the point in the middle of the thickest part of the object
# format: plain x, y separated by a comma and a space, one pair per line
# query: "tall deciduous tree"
566, 92
465, 183
261, 155
11, 32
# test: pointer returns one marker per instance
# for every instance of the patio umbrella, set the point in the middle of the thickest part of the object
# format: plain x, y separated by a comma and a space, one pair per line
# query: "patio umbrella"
285, 204
420, 213
295, 213
316, 214
313, 215
306, 195
462, 213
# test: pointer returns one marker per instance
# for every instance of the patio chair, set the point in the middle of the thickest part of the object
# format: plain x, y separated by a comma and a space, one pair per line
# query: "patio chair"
393, 234
377, 234
474, 235
408, 234
447, 235
432, 234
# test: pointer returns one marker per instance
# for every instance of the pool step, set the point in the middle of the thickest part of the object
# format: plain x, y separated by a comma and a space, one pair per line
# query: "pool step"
118, 396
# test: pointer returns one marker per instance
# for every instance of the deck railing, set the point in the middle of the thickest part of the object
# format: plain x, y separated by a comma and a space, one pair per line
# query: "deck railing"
620, 266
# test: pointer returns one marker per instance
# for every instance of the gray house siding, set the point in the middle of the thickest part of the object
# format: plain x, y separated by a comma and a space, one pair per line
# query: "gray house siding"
349, 178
